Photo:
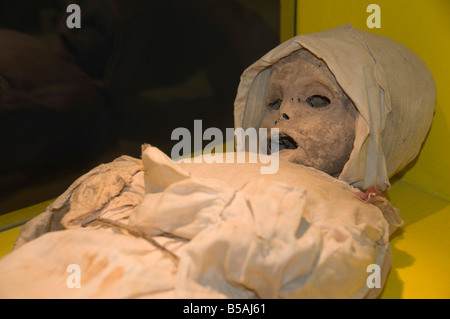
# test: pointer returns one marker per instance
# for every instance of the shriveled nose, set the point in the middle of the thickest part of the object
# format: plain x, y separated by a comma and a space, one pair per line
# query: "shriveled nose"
287, 108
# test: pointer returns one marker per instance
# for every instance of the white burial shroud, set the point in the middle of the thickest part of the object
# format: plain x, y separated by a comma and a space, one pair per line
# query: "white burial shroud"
231, 233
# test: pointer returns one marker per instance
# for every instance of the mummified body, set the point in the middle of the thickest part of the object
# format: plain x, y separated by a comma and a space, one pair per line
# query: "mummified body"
315, 118
301, 232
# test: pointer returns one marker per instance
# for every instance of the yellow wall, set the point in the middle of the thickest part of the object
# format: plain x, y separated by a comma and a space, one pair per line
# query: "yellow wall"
424, 27
287, 19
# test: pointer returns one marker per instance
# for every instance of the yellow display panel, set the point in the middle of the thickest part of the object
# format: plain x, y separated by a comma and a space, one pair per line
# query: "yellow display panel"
421, 248
287, 19
422, 26
11, 223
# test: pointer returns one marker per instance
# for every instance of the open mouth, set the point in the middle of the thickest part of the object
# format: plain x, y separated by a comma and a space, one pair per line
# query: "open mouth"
284, 142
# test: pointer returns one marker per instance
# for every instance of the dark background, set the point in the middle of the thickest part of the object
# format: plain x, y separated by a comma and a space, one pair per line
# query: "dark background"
71, 99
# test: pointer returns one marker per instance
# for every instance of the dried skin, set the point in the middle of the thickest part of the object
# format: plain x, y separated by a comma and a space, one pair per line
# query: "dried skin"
315, 118
99, 191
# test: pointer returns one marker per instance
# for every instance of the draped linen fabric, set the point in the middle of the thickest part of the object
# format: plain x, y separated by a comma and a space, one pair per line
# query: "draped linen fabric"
298, 233
224, 230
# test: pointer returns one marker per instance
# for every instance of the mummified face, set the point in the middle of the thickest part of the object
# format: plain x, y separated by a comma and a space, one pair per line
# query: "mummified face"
315, 118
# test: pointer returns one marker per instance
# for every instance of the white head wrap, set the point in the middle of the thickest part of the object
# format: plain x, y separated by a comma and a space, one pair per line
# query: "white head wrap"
391, 87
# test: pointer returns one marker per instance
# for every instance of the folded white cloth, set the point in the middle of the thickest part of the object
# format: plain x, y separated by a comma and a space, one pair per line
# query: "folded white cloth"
237, 234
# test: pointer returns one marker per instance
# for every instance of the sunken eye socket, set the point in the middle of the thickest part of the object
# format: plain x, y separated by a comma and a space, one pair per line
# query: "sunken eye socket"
318, 101
275, 105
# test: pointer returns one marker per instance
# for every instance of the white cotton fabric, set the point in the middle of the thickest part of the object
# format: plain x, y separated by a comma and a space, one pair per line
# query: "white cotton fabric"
391, 87
235, 233
298, 233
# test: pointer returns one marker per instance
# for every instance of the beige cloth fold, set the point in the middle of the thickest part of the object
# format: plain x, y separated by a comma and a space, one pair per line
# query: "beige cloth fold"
237, 234
390, 86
